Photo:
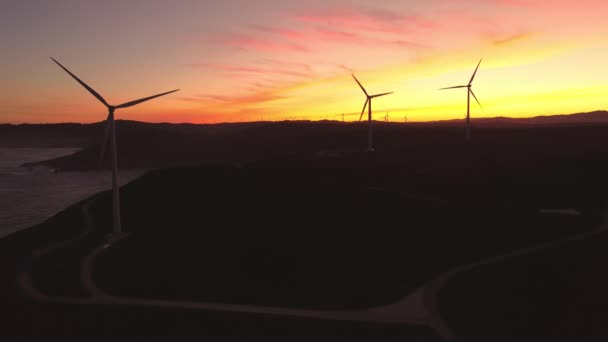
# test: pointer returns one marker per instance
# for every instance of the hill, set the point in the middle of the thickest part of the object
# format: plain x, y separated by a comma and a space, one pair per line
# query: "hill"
151, 145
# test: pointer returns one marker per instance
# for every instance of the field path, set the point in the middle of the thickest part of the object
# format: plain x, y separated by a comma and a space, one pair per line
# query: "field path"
418, 308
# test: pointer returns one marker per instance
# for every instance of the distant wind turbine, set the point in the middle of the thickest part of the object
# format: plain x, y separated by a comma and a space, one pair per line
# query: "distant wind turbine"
469, 93
370, 141
110, 133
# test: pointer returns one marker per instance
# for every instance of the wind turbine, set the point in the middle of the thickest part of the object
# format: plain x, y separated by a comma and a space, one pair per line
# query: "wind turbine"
469, 93
370, 142
110, 133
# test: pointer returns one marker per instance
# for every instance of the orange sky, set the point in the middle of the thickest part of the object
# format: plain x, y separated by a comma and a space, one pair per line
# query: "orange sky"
240, 60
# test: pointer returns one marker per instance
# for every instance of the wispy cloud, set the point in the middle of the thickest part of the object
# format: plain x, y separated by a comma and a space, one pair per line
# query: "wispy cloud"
286, 64
283, 32
268, 70
368, 20
552, 5
250, 42
511, 38
521, 3
314, 36
235, 100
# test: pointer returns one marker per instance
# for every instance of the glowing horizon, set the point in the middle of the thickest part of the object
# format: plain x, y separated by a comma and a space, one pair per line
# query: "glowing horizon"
277, 60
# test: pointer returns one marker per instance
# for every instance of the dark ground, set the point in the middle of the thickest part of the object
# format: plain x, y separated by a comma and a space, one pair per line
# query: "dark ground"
24, 319
313, 234
294, 227
555, 295
143, 145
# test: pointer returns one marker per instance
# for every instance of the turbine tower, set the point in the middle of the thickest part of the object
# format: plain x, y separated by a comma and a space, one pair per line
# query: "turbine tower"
469, 93
110, 133
370, 141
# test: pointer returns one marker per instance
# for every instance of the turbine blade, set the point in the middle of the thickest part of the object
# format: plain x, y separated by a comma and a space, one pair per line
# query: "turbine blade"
133, 103
472, 93
383, 94
363, 111
91, 90
454, 87
475, 73
104, 142
360, 85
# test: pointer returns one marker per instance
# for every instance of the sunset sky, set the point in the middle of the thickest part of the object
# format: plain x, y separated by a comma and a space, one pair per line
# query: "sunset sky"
243, 60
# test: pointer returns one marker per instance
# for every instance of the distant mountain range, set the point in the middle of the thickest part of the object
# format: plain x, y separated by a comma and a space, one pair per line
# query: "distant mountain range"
158, 145
79, 135
595, 117
590, 118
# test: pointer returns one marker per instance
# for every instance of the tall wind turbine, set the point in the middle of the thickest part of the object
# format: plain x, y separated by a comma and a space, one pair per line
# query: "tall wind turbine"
110, 133
370, 142
469, 93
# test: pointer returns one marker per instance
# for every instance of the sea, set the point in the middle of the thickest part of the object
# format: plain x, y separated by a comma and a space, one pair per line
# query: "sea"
28, 196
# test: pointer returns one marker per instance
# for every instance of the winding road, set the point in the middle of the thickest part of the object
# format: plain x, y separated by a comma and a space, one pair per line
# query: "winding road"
417, 308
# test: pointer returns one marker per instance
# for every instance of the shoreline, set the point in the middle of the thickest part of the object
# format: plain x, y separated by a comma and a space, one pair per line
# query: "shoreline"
31, 195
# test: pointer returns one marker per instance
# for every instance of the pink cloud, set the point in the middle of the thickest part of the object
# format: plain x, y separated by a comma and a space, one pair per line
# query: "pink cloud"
554, 5
362, 40
284, 64
285, 33
309, 35
336, 36
313, 36
252, 43
248, 99
511, 38
521, 3
371, 21
251, 69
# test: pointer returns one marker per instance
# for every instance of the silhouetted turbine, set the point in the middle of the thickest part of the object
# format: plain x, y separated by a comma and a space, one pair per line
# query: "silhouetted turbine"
370, 142
110, 133
469, 93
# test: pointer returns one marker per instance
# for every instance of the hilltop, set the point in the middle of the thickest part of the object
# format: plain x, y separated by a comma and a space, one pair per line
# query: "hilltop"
295, 215
599, 117
158, 145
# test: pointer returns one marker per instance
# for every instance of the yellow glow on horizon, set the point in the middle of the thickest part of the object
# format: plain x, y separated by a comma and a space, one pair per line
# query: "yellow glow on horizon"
511, 82
539, 58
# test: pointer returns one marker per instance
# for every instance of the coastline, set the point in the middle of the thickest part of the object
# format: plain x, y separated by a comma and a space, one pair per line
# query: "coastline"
31, 195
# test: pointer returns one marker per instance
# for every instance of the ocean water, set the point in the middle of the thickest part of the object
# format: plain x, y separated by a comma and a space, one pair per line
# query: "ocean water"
28, 196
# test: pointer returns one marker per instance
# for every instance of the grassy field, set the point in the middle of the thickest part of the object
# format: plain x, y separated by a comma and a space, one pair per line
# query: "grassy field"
346, 232
317, 225
554, 295
25, 319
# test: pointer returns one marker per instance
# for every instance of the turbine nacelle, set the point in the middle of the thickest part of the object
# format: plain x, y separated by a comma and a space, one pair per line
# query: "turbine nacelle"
369, 97
469, 85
